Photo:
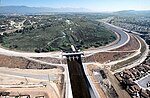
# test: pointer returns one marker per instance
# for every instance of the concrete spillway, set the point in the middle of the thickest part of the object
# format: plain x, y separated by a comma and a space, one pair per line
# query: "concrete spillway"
79, 83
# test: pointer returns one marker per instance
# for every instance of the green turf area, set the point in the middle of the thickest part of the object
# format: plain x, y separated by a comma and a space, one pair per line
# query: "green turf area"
52, 33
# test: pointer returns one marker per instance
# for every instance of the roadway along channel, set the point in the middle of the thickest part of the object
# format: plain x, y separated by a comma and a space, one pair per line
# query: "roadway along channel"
32, 76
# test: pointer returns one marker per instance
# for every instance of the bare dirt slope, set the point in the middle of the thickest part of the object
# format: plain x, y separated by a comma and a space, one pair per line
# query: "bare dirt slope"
20, 62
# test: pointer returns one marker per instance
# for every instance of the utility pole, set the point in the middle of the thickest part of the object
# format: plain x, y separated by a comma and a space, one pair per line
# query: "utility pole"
49, 78
26, 80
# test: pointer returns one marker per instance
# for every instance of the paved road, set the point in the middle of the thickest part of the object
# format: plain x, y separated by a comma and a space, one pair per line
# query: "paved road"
143, 82
33, 76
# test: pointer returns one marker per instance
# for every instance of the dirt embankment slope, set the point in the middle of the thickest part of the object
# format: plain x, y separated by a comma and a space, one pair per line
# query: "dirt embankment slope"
20, 62
106, 56
116, 54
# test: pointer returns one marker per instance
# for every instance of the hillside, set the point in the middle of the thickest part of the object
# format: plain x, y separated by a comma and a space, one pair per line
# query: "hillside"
132, 13
32, 10
52, 33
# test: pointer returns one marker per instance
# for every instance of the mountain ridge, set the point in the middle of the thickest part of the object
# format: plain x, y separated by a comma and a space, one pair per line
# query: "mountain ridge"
26, 9
133, 12
31, 10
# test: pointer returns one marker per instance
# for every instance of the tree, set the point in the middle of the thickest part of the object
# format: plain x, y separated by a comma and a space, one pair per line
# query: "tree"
5, 34
1, 38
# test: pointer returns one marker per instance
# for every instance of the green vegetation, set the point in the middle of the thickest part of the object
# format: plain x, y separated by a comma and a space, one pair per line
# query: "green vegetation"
52, 33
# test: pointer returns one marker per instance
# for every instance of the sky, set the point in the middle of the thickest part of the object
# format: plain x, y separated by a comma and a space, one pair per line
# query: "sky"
94, 5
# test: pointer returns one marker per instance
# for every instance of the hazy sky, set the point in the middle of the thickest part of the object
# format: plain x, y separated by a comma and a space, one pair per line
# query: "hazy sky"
95, 5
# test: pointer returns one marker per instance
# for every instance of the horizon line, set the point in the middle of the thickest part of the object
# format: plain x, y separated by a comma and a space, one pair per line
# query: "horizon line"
90, 10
